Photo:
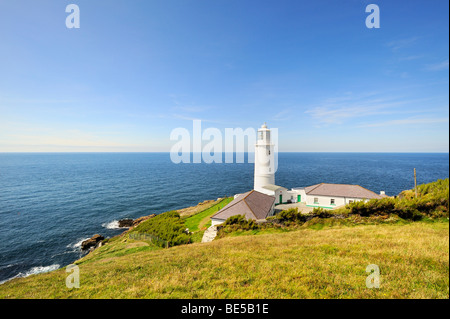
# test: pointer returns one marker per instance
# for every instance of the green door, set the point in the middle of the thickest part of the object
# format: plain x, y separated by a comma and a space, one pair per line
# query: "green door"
299, 198
281, 199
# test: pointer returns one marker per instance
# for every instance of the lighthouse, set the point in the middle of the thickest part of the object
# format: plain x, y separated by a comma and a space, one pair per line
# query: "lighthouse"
264, 160
259, 203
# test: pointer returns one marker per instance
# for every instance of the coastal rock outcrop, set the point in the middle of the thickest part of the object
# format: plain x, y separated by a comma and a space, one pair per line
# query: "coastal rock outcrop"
125, 223
139, 220
92, 242
128, 222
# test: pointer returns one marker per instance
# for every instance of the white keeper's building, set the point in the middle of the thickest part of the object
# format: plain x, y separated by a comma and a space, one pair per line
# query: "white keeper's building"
323, 195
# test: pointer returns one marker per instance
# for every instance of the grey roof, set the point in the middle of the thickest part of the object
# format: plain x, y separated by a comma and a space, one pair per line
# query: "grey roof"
341, 190
253, 205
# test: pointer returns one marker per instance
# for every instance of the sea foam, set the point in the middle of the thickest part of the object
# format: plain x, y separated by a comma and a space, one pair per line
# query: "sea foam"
34, 271
77, 245
112, 225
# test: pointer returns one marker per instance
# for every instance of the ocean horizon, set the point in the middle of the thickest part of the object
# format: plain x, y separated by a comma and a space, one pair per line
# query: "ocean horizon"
51, 202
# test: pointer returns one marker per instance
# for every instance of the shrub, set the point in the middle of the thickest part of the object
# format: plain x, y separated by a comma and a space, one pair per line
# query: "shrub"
240, 222
321, 213
289, 216
432, 201
235, 220
236, 223
168, 227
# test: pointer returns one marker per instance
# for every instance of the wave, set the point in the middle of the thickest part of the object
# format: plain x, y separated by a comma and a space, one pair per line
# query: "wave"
41, 269
112, 225
33, 271
77, 245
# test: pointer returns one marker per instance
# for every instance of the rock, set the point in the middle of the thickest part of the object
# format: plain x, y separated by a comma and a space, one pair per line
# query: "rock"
128, 222
92, 242
141, 219
125, 223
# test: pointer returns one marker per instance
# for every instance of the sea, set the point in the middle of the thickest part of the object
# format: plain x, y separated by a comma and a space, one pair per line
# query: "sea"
51, 202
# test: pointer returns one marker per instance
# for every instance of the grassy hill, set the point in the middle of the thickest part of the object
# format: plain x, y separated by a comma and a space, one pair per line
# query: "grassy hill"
327, 263
322, 258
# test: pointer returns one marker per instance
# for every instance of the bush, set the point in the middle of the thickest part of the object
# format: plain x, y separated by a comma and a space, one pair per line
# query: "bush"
321, 213
289, 216
432, 201
168, 227
294, 216
240, 222
236, 223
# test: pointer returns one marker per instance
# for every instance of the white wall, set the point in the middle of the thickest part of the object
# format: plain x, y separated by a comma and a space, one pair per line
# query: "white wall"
276, 194
325, 201
295, 193
266, 191
271, 210
215, 221
285, 195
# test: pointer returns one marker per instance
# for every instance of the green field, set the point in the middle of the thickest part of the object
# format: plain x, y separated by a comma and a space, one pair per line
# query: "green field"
199, 222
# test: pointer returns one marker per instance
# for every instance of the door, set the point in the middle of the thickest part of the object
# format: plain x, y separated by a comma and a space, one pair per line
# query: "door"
299, 198
281, 199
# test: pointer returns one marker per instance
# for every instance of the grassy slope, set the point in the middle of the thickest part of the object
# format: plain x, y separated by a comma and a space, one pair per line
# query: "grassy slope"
198, 223
307, 263
189, 211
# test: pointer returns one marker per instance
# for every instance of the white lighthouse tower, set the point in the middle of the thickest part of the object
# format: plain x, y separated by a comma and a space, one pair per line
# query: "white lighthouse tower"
264, 160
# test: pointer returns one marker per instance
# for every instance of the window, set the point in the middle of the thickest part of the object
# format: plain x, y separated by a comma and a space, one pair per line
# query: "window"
316, 200
350, 201
260, 135
332, 202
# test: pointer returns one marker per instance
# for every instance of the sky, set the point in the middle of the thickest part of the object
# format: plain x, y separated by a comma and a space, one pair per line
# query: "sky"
136, 70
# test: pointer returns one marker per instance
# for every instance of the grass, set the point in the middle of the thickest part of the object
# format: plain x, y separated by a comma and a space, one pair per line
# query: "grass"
321, 257
117, 247
189, 211
317, 224
306, 263
199, 222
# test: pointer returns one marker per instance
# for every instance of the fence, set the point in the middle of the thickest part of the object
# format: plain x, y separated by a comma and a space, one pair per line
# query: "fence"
154, 239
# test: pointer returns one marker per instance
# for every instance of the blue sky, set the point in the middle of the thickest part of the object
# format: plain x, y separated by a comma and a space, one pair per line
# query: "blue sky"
136, 70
